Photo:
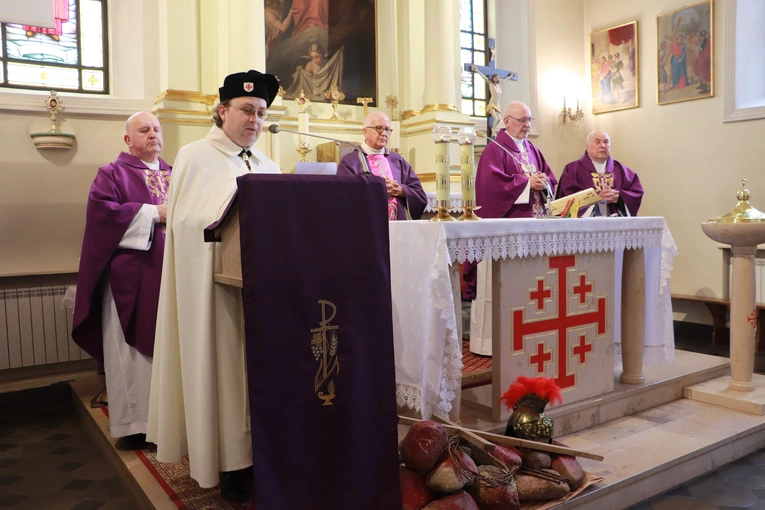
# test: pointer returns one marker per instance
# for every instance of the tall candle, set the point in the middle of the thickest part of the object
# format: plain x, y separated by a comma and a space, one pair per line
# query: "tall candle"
303, 128
394, 142
442, 173
468, 181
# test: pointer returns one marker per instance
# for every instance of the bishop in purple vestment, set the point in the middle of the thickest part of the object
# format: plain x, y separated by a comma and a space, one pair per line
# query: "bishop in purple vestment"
617, 185
120, 267
513, 180
403, 186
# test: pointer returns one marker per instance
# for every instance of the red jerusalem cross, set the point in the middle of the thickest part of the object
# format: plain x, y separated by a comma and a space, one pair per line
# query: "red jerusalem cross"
561, 323
582, 349
540, 294
582, 289
752, 319
540, 358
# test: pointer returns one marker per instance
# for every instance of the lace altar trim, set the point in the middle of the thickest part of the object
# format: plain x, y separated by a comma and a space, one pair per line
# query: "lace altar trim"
551, 243
455, 203
443, 300
408, 396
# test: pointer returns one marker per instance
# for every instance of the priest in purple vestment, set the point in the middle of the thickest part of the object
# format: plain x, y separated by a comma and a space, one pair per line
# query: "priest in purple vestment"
115, 309
406, 198
513, 180
618, 186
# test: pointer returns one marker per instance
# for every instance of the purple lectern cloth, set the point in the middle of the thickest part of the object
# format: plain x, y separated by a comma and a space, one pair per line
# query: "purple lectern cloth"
500, 180
118, 192
305, 239
414, 195
577, 176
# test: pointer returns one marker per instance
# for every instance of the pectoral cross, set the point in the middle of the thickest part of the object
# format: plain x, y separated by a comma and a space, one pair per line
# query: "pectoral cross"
365, 101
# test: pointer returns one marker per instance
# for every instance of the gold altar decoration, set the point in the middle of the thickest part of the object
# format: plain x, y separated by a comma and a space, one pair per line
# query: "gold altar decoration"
364, 101
391, 102
442, 135
53, 138
335, 96
743, 212
466, 138
281, 90
302, 101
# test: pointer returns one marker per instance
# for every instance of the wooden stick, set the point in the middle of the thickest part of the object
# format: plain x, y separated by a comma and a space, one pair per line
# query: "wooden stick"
467, 435
514, 441
541, 473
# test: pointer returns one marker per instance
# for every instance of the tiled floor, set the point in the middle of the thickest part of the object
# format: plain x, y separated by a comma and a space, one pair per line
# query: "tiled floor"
48, 458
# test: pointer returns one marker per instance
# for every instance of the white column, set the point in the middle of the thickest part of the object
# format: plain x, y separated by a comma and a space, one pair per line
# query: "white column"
179, 45
742, 318
441, 52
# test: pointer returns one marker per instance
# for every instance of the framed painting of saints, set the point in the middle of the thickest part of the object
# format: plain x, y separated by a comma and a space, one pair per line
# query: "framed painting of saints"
685, 54
614, 72
312, 45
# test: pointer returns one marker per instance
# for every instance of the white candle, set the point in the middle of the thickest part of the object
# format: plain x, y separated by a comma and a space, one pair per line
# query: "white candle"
394, 141
442, 173
468, 181
303, 128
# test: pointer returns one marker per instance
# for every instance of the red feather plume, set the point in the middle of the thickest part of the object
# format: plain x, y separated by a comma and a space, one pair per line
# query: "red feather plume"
543, 387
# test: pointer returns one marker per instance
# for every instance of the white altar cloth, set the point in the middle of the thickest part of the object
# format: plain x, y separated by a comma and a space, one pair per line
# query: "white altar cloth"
427, 348
455, 202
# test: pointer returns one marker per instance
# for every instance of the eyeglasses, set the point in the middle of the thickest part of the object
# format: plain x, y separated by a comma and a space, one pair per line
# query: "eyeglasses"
380, 129
524, 120
249, 112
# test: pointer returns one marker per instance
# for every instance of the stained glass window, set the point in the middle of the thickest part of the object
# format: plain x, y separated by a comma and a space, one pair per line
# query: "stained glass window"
71, 56
473, 44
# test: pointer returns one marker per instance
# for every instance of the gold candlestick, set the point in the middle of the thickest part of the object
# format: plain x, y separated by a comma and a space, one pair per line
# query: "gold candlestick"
442, 135
303, 150
466, 137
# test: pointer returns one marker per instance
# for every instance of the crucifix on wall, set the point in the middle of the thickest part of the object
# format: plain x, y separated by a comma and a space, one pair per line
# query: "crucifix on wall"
494, 78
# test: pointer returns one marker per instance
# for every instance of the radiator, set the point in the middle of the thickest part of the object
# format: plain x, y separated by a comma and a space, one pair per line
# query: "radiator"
35, 329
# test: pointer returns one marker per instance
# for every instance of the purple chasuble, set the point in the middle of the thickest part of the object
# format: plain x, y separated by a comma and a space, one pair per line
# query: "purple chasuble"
581, 174
319, 341
500, 179
118, 192
401, 172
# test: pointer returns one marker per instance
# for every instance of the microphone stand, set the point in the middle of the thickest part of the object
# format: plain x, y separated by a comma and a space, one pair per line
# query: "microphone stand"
273, 128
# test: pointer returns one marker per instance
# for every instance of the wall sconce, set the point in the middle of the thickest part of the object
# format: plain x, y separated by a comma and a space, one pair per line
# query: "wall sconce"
570, 115
54, 138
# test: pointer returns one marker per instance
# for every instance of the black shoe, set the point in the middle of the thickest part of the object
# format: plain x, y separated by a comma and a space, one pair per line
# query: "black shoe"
132, 442
233, 486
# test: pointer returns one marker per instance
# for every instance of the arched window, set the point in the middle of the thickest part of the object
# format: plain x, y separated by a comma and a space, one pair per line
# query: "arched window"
474, 49
70, 57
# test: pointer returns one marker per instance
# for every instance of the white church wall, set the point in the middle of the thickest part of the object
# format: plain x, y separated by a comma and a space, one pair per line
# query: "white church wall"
43, 193
689, 161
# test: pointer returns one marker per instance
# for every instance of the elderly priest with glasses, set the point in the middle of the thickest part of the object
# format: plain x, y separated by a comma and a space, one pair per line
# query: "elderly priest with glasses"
406, 198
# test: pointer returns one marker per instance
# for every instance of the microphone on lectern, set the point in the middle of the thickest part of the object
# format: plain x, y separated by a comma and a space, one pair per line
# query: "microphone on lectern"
273, 128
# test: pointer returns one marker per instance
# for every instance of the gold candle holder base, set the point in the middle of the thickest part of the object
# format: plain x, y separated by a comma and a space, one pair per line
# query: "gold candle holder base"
469, 215
442, 215
303, 151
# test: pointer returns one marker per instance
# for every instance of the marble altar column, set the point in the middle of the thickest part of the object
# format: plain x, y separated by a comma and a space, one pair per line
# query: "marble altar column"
742, 318
633, 317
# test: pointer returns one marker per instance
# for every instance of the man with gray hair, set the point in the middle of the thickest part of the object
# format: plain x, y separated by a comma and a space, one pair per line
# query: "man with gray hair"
406, 198
120, 267
619, 187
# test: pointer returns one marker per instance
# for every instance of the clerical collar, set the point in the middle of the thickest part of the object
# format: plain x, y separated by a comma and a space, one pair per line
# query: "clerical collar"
519, 143
152, 166
599, 167
369, 150
220, 140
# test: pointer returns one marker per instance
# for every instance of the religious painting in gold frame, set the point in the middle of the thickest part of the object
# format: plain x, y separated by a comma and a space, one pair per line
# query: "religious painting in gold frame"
312, 45
685, 54
614, 70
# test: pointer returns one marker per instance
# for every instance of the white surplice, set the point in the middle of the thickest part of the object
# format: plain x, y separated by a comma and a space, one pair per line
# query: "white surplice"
198, 404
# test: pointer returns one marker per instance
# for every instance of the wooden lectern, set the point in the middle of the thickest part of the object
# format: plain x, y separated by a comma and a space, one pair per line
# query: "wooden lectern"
226, 231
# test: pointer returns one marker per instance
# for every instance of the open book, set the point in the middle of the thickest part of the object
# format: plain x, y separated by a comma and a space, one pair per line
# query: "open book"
584, 198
